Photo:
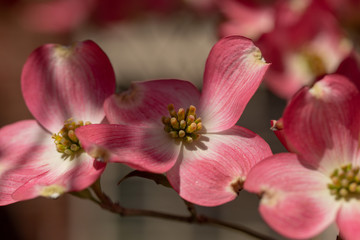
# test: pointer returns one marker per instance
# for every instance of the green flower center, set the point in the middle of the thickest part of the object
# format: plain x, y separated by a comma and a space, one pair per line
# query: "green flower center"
65, 140
183, 124
345, 182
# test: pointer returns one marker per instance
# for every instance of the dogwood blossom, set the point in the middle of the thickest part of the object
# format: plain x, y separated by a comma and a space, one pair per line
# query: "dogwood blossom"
64, 87
304, 192
168, 126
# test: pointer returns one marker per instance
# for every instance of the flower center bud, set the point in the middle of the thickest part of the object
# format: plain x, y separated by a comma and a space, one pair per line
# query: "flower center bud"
65, 140
183, 124
345, 182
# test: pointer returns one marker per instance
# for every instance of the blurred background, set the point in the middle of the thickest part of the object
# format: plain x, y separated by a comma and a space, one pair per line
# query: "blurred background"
154, 39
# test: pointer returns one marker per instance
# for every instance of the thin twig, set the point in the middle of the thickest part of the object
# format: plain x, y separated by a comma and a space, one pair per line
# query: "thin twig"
107, 204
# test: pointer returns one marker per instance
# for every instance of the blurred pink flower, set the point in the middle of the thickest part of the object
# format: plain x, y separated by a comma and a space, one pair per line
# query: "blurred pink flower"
350, 67
304, 192
56, 16
63, 87
302, 48
205, 156
63, 16
246, 18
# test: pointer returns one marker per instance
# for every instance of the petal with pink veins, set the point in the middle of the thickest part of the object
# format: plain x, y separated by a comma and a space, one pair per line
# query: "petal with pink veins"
233, 72
61, 82
61, 175
295, 200
20, 143
322, 123
211, 171
146, 149
348, 220
28, 156
146, 102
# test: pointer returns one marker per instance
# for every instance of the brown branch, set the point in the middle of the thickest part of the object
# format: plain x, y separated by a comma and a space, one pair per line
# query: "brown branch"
107, 204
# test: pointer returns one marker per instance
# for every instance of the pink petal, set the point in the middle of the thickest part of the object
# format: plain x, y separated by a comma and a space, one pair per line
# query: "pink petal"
322, 123
61, 175
146, 102
207, 169
147, 149
348, 220
246, 19
350, 68
30, 162
17, 147
233, 72
295, 199
56, 16
61, 82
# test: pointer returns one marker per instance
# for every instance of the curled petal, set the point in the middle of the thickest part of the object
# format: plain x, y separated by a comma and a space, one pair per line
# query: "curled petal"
212, 170
348, 220
62, 82
295, 200
146, 102
145, 149
233, 72
323, 123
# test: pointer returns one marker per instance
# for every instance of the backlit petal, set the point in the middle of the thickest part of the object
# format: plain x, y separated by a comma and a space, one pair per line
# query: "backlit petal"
20, 143
147, 149
60, 175
211, 171
62, 82
295, 199
348, 220
233, 72
30, 163
322, 123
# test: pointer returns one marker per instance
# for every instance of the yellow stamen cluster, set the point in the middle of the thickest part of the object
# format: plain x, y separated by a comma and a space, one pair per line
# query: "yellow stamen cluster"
66, 141
182, 124
345, 182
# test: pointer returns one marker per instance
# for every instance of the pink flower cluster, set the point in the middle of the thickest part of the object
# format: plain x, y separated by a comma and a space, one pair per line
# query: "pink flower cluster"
169, 127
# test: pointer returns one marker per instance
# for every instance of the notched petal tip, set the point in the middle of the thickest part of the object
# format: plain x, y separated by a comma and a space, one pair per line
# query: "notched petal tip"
270, 197
276, 125
318, 90
237, 185
130, 96
257, 55
64, 51
52, 191
100, 154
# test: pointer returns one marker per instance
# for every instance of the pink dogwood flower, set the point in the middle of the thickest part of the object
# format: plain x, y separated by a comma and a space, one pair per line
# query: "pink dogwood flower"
304, 192
167, 126
64, 87
302, 49
246, 18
